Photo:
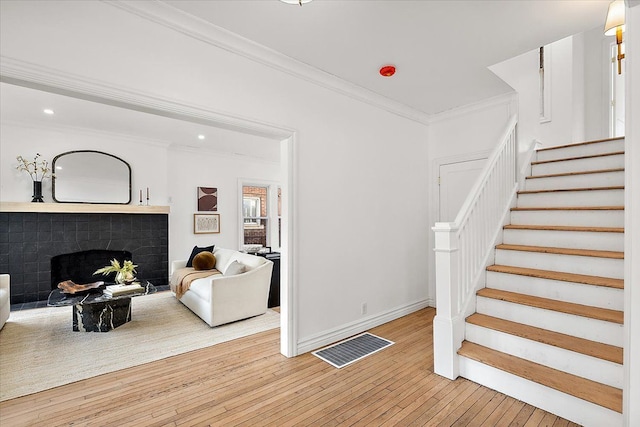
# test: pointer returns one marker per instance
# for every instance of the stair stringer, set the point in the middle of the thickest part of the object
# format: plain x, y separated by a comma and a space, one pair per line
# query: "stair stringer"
566, 406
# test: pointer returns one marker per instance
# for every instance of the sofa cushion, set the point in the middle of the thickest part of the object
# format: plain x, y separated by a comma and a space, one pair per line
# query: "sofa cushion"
204, 261
235, 268
196, 250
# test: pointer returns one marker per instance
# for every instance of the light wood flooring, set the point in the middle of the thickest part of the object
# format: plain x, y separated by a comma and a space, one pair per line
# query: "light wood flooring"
247, 382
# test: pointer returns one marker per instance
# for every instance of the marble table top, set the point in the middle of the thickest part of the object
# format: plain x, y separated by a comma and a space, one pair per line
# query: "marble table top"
57, 298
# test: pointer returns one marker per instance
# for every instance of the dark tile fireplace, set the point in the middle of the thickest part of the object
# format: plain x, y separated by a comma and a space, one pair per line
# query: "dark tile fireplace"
28, 241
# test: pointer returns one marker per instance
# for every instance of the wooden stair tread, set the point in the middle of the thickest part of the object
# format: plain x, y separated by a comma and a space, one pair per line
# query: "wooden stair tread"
563, 251
591, 156
608, 282
595, 141
597, 313
556, 175
570, 208
564, 228
560, 190
594, 392
556, 339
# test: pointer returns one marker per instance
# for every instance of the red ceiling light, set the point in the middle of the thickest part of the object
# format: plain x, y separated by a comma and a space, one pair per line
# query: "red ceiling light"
387, 71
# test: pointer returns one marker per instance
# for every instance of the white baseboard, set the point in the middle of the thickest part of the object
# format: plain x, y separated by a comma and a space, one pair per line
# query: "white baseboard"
345, 331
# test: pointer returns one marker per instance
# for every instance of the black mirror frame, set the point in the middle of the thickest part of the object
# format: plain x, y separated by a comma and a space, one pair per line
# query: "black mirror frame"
53, 179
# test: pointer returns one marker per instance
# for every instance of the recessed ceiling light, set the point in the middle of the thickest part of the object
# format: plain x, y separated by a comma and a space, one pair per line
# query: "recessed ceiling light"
48, 111
387, 71
201, 136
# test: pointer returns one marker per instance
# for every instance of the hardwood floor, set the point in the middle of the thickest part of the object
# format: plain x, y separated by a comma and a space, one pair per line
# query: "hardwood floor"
247, 382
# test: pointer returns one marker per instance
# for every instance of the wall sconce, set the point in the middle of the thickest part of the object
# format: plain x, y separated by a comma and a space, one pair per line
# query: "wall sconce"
615, 25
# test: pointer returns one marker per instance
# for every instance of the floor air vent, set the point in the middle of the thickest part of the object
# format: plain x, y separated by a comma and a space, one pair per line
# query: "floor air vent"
352, 349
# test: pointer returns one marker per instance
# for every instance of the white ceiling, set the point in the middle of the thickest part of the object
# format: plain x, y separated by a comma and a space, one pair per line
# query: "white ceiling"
441, 48
24, 106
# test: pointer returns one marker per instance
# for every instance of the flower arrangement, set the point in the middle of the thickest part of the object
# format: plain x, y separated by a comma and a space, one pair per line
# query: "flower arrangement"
124, 272
34, 168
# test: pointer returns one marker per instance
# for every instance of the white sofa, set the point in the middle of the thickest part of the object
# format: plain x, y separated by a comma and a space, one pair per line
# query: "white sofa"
222, 299
5, 298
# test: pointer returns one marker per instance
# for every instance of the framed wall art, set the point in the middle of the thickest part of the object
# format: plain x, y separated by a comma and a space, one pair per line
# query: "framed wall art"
207, 199
206, 223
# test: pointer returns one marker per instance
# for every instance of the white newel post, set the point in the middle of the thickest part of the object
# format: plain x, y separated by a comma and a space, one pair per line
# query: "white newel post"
446, 327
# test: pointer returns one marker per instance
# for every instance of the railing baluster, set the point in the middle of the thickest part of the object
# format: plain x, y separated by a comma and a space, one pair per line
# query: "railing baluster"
462, 248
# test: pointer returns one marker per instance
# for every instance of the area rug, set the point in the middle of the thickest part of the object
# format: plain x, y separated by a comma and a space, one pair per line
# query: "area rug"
39, 350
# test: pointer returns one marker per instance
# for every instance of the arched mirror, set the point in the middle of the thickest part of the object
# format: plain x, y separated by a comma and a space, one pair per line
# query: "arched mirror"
87, 176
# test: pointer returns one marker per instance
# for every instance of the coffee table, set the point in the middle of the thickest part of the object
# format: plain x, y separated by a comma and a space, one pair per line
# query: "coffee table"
95, 312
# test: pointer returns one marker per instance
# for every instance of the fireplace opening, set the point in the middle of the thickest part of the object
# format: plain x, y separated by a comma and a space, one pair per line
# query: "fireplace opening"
80, 266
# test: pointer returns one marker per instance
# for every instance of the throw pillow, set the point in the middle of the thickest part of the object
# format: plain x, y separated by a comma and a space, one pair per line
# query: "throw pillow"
235, 268
204, 261
196, 250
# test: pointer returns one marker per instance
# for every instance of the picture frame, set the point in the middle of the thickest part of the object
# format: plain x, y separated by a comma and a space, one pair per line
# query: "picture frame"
207, 199
206, 223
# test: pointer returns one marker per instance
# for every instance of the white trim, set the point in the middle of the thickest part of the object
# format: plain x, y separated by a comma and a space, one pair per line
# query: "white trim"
440, 161
289, 303
272, 208
37, 77
631, 389
204, 31
509, 98
545, 115
331, 336
22, 73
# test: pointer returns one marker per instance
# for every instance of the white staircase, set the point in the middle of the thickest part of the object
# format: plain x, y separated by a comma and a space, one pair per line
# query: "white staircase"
548, 325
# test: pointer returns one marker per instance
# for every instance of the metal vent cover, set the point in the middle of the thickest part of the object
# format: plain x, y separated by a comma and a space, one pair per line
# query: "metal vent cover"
351, 350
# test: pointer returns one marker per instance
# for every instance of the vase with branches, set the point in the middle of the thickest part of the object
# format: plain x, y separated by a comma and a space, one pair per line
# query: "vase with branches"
38, 169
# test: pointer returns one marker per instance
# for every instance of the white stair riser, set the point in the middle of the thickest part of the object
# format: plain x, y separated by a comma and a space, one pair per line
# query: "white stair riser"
583, 218
577, 293
572, 198
582, 365
588, 180
581, 150
579, 165
566, 406
578, 326
592, 266
604, 241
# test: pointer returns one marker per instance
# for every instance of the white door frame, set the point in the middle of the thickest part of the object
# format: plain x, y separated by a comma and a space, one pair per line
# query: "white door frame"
41, 78
459, 158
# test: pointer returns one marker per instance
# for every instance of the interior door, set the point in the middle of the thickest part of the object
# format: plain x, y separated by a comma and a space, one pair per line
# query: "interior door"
456, 180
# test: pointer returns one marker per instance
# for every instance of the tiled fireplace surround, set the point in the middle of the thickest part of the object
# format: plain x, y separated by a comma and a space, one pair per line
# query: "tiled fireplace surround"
28, 240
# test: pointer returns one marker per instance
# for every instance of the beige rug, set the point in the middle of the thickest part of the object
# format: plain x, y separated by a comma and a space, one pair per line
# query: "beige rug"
39, 350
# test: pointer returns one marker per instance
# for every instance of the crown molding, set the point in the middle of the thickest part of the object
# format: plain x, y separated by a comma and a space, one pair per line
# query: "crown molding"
87, 132
204, 31
509, 98
35, 76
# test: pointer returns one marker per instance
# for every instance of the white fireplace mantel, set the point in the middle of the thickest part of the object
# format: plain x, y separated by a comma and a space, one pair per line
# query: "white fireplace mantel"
80, 208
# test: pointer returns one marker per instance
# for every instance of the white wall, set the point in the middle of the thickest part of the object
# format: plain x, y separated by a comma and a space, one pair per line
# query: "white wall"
579, 89
596, 88
631, 394
172, 175
361, 172
471, 131
521, 73
189, 169
24, 140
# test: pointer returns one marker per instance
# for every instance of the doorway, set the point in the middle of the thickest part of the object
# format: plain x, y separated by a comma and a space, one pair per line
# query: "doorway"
455, 180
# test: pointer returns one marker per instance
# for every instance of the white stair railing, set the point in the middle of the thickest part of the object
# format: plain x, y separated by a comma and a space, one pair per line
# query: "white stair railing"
464, 247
